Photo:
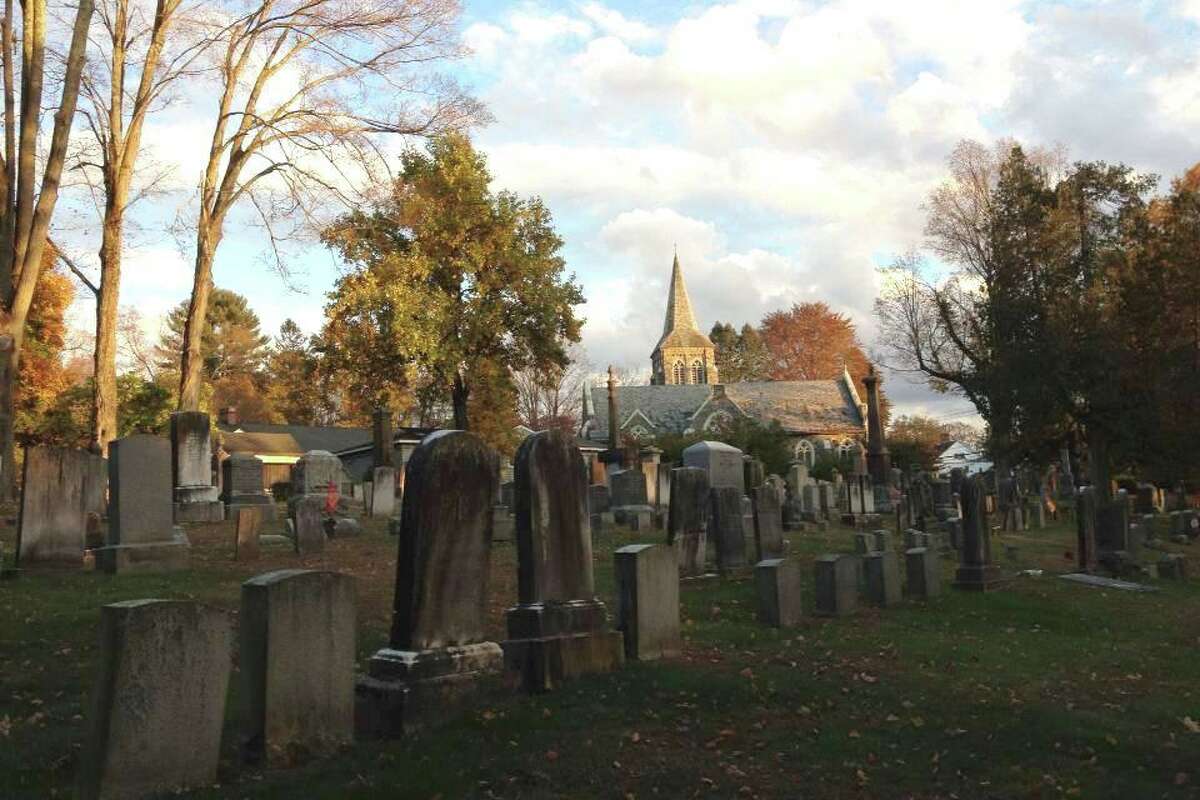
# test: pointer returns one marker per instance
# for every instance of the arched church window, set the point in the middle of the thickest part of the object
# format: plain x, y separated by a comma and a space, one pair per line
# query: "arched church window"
805, 453
846, 449
639, 432
680, 372
718, 421
697, 371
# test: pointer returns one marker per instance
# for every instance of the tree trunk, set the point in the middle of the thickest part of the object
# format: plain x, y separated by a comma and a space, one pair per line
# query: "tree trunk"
459, 394
104, 396
191, 376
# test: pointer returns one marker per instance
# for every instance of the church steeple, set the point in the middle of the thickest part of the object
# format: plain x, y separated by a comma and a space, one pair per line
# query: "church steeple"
683, 354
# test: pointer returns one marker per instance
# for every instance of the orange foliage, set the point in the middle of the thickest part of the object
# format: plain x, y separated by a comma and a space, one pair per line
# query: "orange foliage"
42, 376
240, 391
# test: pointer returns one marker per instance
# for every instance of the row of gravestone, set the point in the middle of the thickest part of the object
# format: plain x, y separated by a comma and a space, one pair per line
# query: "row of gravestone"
159, 701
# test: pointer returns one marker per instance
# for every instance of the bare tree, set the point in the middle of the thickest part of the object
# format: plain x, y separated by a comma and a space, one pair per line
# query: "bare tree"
142, 59
299, 114
553, 398
28, 203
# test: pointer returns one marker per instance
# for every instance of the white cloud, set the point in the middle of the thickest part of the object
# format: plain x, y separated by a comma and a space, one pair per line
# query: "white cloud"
485, 40
615, 23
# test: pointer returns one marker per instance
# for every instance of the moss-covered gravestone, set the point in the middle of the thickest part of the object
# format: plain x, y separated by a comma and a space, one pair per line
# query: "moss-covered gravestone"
558, 629
687, 519
437, 651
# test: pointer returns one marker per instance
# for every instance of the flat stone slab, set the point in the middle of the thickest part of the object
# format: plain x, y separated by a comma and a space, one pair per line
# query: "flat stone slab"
1101, 582
648, 600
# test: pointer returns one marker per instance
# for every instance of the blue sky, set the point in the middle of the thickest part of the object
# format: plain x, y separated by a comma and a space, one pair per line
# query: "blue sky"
784, 147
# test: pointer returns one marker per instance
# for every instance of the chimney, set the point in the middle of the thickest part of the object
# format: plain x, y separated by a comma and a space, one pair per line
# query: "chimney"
228, 415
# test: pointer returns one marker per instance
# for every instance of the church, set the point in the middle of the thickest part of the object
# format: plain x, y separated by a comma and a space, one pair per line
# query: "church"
686, 396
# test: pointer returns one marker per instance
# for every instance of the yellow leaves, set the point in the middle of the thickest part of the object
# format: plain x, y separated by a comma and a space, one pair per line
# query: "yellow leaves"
1191, 725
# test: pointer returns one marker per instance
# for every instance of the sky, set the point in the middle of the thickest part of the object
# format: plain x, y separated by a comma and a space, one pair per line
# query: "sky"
784, 148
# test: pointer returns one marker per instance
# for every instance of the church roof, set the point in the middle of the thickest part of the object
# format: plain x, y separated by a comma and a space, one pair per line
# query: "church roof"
802, 407
679, 326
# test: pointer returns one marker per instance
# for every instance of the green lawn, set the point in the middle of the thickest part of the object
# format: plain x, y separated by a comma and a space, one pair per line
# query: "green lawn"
1042, 689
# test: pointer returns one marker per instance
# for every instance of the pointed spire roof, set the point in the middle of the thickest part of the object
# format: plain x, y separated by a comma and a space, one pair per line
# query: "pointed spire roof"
679, 326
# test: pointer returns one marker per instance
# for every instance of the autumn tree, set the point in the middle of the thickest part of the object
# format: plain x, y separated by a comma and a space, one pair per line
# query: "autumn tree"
42, 373
29, 200
296, 380
552, 397
141, 56
914, 440
741, 355
448, 279
306, 88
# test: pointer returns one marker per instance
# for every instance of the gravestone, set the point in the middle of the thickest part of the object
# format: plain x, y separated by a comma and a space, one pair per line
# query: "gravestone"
141, 532
768, 523
245, 540
976, 572
504, 527
647, 578
1145, 500
53, 522
721, 461
1173, 566
242, 486
383, 492
778, 584
382, 441
628, 488
797, 478
196, 499
883, 541
158, 703
296, 664
836, 581
558, 629
864, 543
924, 572
1112, 525
308, 523
753, 473
687, 519
315, 472
598, 498
881, 571
726, 527
437, 651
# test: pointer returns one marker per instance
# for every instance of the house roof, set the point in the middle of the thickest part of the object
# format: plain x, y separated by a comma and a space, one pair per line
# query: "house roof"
679, 326
260, 444
302, 437
802, 407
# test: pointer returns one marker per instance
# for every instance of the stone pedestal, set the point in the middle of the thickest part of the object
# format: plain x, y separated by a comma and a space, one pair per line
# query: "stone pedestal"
882, 574
196, 499
924, 573
778, 584
550, 643
647, 577
141, 534
408, 690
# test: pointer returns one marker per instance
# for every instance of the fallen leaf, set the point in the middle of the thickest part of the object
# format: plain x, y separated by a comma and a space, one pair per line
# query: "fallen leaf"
1191, 725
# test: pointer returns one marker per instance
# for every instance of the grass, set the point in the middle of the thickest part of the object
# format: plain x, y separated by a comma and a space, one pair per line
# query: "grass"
1042, 689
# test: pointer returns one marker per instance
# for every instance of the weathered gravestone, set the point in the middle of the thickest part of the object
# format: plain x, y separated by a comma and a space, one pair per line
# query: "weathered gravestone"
1112, 526
1173, 566
630, 505
881, 572
437, 651
296, 662
726, 527
558, 629
721, 461
598, 498
836, 581
504, 527
778, 584
159, 700
976, 572
191, 465
383, 492
687, 519
315, 472
883, 541
245, 540
647, 577
53, 523
924, 573
141, 532
768, 523
753, 473
242, 486
308, 524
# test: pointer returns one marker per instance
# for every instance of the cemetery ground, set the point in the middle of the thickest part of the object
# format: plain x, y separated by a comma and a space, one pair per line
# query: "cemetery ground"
1040, 689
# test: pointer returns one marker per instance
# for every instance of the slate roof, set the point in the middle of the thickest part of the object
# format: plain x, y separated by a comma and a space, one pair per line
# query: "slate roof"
802, 407
299, 438
679, 326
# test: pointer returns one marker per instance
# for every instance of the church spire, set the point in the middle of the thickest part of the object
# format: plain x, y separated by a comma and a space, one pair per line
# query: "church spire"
679, 306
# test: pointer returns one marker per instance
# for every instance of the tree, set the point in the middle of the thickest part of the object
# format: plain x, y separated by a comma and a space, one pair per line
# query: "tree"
295, 380
142, 407
552, 397
913, 441
134, 71
298, 113
741, 355
42, 374
449, 280
231, 344
24, 218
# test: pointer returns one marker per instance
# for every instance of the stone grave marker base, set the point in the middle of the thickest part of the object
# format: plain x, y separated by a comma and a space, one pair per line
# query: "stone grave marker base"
166, 556
551, 643
406, 691
203, 511
977, 578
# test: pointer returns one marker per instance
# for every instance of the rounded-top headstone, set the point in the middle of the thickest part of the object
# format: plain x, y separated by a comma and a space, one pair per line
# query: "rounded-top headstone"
445, 540
554, 540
